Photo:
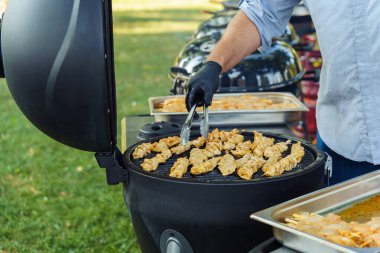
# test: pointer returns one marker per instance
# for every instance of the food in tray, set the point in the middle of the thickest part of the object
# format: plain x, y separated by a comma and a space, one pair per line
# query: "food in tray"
362, 211
243, 102
226, 150
332, 228
179, 168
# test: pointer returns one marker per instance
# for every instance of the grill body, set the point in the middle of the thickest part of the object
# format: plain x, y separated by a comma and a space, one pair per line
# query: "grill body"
213, 215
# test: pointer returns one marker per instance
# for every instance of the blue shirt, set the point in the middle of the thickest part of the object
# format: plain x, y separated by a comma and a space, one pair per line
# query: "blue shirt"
348, 33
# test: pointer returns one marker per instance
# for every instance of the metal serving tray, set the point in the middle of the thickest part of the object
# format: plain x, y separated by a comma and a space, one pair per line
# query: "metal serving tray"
331, 199
238, 117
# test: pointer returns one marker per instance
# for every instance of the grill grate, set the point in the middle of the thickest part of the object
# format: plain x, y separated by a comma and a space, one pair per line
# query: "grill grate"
215, 176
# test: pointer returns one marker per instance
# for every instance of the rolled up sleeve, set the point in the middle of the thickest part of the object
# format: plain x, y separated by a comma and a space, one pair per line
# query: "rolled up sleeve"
269, 16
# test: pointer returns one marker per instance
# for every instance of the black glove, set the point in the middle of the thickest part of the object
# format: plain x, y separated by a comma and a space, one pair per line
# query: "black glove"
203, 85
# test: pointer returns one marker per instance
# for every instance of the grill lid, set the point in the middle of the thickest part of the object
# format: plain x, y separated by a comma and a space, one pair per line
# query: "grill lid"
58, 62
277, 67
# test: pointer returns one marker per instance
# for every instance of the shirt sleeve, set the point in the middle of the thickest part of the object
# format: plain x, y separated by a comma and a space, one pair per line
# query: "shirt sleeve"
269, 16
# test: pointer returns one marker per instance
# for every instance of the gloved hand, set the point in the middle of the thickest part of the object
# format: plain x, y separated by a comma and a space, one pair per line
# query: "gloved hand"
203, 85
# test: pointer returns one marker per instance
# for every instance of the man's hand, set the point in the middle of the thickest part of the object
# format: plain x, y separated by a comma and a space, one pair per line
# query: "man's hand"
203, 85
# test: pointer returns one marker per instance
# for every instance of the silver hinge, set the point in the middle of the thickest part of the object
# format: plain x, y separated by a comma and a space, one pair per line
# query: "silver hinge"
328, 167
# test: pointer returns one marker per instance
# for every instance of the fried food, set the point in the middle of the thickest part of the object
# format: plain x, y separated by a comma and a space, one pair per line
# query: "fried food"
152, 163
142, 150
250, 167
242, 149
286, 164
179, 168
331, 227
227, 165
206, 166
198, 156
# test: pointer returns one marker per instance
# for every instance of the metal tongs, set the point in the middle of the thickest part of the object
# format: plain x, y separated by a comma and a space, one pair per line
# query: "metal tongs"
204, 128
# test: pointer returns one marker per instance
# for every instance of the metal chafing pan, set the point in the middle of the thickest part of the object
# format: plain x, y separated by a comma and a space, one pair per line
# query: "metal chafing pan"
238, 117
331, 199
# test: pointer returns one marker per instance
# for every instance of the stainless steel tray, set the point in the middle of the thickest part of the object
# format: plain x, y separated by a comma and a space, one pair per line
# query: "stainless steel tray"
330, 199
238, 117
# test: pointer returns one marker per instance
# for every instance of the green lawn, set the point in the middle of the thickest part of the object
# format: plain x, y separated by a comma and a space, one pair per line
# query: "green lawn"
54, 198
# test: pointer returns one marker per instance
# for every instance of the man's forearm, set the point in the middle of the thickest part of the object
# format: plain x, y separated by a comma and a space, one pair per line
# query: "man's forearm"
240, 39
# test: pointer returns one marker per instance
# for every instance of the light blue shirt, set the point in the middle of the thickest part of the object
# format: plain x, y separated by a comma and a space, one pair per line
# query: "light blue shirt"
348, 108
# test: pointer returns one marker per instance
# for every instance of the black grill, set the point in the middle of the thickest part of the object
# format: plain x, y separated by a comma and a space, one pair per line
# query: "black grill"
215, 176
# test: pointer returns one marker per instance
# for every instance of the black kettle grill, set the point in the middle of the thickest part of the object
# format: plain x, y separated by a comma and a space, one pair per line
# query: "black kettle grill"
276, 69
58, 62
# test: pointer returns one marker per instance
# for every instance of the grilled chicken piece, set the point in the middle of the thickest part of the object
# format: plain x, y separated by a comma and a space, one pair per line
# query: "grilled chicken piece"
159, 146
236, 138
205, 167
181, 148
225, 136
298, 151
142, 150
276, 149
240, 162
251, 167
171, 141
165, 143
256, 139
232, 139
152, 163
242, 149
228, 145
216, 135
288, 163
227, 165
214, 147
285, 164
263, 143
179, 168
275, 157
199, 142
197, 156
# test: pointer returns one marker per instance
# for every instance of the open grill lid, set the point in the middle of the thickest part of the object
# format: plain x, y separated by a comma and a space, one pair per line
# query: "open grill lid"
58, 62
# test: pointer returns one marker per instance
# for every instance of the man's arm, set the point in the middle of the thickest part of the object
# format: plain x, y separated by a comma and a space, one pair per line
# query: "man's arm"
254, 26
240, 39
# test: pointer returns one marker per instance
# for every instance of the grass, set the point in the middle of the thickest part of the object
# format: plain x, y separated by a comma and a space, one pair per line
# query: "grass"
54, 198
